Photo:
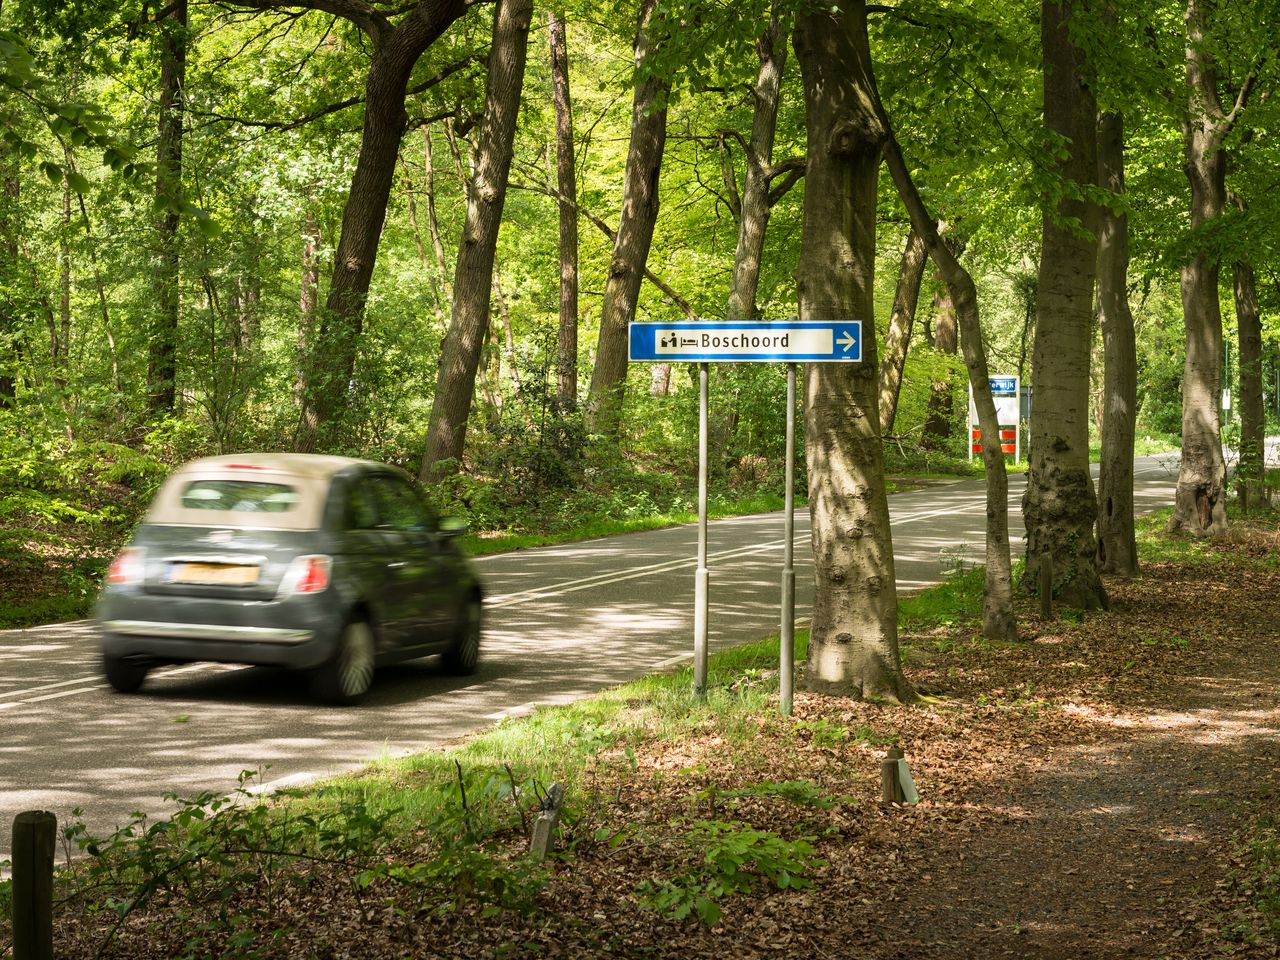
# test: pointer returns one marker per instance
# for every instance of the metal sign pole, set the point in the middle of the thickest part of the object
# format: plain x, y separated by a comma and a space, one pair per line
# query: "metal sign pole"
700, 598
787, 657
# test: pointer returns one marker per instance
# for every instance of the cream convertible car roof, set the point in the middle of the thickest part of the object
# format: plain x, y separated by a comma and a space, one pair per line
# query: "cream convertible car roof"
307, 475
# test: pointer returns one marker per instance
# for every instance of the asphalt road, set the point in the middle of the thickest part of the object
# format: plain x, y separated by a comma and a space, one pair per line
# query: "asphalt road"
561, 622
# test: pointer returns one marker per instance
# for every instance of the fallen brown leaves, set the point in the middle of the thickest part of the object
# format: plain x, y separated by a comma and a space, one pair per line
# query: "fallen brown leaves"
1085, 794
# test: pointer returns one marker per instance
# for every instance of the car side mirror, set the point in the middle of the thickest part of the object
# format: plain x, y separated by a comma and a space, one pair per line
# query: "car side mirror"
452, 527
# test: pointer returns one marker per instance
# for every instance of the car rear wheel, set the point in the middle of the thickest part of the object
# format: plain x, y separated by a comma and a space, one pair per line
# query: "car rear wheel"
346, 678
462, 658
125, 676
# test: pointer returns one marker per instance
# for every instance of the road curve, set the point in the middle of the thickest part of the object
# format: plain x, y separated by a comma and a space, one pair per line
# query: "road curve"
561, 623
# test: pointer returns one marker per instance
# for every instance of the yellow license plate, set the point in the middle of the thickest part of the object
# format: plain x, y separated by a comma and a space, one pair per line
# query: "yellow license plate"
222, 574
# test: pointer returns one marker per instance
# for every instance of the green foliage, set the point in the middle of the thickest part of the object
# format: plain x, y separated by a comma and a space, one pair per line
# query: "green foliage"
213, 844
734, 857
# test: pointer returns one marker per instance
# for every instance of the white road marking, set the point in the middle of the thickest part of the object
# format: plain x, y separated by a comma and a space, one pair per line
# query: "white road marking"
93, 685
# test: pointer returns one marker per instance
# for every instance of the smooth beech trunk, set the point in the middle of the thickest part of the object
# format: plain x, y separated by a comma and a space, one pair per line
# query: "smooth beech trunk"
567, 184
162, 347
396, 49
1252, 415
473, 279
1200, 501
998, 619
853, 650
754, 203
634, 237
1060, 508
1117, 545
897, 338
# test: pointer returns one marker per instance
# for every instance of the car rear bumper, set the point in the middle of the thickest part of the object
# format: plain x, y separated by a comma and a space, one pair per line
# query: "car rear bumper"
207, 631
298, 633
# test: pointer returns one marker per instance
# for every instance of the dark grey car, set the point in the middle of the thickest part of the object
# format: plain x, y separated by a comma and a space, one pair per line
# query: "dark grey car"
324, 564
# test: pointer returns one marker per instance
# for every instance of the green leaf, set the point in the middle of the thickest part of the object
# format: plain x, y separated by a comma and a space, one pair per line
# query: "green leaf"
77, 182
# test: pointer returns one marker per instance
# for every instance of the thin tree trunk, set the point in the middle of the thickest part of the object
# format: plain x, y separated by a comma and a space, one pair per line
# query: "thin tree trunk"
635, 235
998, 619
939, 420
1252, 415
897, 338
1059, 507
9, 338
1200, 501
853, 650
100, 287
508, 332
327, 373
62, 341
567, 183
473, 279
1117, 544
308, 294
162, 370
754, 202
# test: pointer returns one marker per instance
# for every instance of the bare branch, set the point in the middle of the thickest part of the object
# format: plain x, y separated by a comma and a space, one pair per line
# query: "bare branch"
536, 186
363, 15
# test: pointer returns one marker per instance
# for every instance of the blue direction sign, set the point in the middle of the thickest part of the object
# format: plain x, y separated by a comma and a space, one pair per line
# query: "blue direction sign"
1003, 387
738, 341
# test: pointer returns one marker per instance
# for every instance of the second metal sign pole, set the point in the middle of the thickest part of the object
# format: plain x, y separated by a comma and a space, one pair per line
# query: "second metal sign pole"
786, 666
700, 597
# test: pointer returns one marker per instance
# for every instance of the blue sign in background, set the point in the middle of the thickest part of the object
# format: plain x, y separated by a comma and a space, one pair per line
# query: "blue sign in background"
1004, 386
740, 341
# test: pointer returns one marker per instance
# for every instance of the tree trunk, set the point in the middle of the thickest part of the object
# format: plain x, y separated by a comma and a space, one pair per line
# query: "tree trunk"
897, 338
939, 421
327, 374
1060, 508
1252, 415
754, 202
998, 619
635, 235
473, 278
1117, 545
853, 650
1200, 501
162, 368
9, 338
567, 184
308, 295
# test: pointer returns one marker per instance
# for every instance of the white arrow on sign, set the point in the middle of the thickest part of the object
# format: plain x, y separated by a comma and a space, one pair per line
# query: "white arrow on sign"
846, 340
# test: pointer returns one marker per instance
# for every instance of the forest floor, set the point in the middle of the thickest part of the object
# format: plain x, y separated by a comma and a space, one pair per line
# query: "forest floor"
1105, 788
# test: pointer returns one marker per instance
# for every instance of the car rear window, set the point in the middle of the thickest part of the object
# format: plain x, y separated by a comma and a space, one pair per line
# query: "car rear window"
240, 496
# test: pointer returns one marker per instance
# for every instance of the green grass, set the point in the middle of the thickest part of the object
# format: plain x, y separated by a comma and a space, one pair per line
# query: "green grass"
480, 544
558, 743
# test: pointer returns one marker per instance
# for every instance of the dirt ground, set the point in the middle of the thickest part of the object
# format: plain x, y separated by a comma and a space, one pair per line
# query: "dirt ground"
1091, 792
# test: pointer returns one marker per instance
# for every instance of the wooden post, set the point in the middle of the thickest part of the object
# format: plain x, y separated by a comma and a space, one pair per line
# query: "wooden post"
1046, 586
1244, 498
890, 785
545, 826
34, 839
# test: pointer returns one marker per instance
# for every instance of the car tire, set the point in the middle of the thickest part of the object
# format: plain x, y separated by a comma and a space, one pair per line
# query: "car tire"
346, 677
125, 676
463, 656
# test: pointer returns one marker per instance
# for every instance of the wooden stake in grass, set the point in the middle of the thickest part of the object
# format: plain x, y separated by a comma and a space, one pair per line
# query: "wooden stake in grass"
891, 786
34, 836
545, 826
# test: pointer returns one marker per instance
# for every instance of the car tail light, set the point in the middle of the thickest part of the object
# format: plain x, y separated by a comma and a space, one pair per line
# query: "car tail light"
127, 568
309, 574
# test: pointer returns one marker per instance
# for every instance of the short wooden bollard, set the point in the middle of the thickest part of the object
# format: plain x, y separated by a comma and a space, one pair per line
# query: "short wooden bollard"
1046, 586
890, 784
544, 827
34, 841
